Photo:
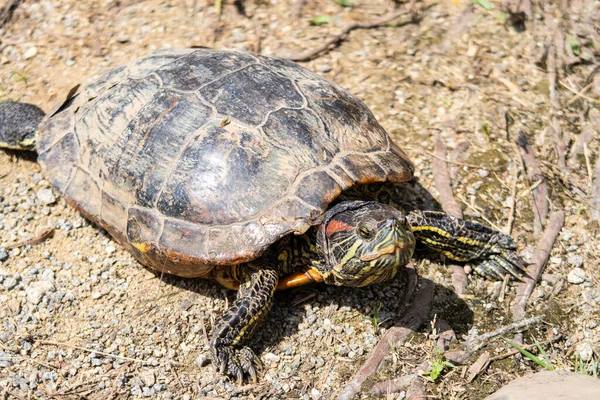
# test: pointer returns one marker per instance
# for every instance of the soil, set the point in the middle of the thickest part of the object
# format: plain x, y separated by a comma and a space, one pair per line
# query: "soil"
80, 318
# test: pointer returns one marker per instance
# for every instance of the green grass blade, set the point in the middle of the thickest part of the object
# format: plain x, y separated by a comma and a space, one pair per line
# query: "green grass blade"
527, 354
549, 365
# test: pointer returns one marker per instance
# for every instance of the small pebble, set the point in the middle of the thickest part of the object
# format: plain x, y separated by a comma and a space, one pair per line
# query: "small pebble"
36, 290
110, 249
148, 378
272, 357
45, 196
30, 53
3, 254
585, 351
315, 394
575, 260
9, 283
576, 276
324, 68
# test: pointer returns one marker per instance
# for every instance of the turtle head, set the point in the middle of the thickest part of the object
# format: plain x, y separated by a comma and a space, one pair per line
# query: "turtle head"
18, 125
363, 242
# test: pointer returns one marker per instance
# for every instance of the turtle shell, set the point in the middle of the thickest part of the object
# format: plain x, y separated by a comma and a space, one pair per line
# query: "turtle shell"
197, 158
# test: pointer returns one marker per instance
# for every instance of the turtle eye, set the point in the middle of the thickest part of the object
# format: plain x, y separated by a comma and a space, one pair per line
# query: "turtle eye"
364, 232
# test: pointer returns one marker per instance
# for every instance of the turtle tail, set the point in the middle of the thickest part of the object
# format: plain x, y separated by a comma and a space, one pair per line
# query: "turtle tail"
19, 125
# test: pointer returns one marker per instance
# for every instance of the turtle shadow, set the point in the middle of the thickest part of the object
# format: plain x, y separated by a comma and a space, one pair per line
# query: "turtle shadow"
25, 155
381, 305
301, 313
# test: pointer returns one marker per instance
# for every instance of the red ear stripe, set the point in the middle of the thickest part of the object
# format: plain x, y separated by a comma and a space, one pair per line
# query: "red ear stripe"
337, 226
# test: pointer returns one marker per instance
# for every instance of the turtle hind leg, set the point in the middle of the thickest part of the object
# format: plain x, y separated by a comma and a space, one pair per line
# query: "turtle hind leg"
492, 253
18, 125
231, 330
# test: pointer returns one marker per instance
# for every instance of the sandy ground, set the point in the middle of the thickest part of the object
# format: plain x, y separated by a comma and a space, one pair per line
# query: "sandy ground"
81, 319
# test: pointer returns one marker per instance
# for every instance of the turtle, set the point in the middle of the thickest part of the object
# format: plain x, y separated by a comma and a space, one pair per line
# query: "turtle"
245, 169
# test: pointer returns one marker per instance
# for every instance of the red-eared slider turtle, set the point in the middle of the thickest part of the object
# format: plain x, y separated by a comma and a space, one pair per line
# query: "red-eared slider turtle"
204, 163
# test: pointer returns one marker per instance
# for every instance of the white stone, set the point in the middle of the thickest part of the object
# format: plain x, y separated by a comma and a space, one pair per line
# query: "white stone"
272, 357
148, 378
45, 196
576, 276
30, 53
36, 290
316, 395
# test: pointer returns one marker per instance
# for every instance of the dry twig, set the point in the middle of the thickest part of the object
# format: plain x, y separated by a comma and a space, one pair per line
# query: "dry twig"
538, 260
337, 39
40, 236
475, 343
412, 320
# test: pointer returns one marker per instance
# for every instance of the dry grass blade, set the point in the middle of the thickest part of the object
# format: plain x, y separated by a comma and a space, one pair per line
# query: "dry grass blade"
538, 260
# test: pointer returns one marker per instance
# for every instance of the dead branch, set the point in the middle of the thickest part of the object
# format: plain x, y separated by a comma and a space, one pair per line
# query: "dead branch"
455, 154
475, 343
414, 317
540, 193
538, 260
343, 35
442, 180
417, 389
393, 385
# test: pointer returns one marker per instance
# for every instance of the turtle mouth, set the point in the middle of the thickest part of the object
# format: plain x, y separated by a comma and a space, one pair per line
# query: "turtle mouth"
393, 249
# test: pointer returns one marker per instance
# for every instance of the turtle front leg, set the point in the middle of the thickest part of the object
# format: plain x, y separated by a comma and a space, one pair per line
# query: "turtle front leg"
492, 253
258, 281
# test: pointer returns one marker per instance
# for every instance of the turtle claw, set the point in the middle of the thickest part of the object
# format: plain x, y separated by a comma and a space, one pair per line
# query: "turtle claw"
501, 259
236, 362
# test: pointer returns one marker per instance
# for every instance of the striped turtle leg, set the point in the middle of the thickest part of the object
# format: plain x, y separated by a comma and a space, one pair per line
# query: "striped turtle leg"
258, 281
492, 253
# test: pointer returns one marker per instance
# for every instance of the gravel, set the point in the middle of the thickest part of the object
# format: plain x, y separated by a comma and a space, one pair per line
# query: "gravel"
80, 288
